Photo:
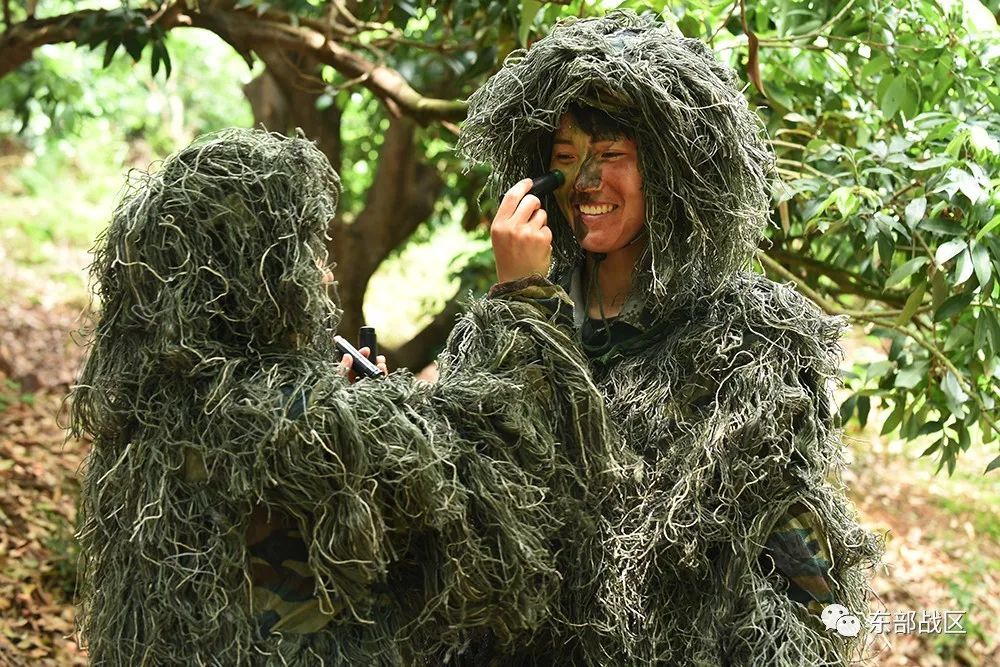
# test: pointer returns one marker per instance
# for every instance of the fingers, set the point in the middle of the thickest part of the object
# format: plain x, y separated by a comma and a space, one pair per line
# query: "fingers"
513, 198
538, 219
348, 362
530, 204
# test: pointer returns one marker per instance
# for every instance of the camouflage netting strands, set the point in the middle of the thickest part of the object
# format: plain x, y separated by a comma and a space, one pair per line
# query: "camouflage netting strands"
704, 162
727, 402
212, 394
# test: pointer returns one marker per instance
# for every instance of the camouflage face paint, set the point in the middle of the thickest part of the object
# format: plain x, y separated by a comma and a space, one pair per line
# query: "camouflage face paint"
602, 198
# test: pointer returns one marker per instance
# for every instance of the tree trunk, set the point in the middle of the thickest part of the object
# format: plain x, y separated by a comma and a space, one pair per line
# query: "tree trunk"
401, 197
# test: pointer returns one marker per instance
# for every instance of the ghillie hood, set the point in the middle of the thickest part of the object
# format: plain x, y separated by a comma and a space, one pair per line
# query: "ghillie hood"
248, 209
704, 162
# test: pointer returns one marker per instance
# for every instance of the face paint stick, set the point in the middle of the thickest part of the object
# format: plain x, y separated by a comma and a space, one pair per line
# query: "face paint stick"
367, 338
361, 366
547, 184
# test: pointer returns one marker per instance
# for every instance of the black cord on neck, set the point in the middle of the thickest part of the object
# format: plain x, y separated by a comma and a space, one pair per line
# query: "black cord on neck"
594, 285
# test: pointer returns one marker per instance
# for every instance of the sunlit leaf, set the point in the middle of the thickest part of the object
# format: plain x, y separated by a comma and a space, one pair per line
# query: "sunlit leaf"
947, 251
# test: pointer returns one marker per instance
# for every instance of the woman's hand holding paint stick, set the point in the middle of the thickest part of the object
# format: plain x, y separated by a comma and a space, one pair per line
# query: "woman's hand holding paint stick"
522, 240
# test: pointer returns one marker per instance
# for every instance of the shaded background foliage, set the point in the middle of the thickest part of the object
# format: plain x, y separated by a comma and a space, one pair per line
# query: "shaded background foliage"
884, 117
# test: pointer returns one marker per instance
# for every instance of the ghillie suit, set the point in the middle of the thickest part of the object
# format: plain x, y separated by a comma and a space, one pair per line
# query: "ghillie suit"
244, 505
715, 377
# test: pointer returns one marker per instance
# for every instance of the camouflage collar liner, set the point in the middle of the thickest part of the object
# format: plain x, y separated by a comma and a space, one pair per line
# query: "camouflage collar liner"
633, 312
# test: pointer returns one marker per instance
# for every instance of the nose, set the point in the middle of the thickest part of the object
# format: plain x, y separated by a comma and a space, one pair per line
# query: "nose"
589, 177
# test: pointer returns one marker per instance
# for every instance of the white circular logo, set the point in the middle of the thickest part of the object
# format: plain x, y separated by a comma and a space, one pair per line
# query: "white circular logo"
848, 625
832, 613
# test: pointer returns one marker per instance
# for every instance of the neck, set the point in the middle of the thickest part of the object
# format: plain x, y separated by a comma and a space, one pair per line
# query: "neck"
614, 274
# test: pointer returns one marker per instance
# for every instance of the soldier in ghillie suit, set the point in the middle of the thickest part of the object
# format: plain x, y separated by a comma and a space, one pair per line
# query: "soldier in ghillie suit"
733, 533
243, 504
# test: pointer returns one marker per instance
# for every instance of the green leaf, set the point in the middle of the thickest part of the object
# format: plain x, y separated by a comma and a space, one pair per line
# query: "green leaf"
939, 289
994, 328
964, 441
133, 45
988, 227
982, 334
933, 448
952, 306
952, 389
912, 304
156, 57
895, 96
930, 427
981, 262
529, 9
874, 66
912, 375
943, 226
166, 62
894, 419
864, 407
877, 369
963, 267
109, 50
847, 408
885, 247
993, 465
948, 250
937, 161
905, 270
969, 186
914, 211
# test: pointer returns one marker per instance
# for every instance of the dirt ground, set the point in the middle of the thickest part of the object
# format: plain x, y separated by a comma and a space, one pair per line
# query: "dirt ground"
942, 535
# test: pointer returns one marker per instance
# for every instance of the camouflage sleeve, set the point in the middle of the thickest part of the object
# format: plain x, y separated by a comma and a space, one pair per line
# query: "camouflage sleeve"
797, 549
550, 299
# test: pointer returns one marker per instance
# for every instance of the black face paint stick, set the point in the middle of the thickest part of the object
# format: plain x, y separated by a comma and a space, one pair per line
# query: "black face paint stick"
367, 338
546, 184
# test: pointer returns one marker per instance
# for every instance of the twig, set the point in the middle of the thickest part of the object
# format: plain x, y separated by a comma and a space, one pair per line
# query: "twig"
711, 40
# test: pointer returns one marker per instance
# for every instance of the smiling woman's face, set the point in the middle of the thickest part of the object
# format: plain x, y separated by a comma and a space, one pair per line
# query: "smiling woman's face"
602, 197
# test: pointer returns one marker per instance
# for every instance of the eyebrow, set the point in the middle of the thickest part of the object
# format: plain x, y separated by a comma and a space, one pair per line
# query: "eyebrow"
563, 140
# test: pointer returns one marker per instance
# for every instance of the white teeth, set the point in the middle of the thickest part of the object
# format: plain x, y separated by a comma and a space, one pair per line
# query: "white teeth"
597, 210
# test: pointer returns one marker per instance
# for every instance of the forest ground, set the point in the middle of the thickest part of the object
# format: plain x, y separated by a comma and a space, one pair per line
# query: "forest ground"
942, 534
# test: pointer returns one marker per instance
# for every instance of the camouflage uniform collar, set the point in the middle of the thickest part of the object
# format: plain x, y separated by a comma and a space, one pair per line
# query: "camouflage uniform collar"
634, 312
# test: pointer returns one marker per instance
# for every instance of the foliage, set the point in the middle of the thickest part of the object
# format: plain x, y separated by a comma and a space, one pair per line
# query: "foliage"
884, 118
886, 139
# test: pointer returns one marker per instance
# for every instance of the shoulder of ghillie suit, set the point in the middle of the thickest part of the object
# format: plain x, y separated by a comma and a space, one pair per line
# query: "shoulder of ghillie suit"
705, 164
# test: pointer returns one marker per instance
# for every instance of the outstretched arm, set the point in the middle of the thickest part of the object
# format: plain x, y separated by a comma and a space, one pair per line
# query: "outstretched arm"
455, 504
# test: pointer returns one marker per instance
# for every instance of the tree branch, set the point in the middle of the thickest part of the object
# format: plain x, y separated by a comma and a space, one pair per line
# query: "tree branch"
245, 32
385, 83
847, 282
401, 197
